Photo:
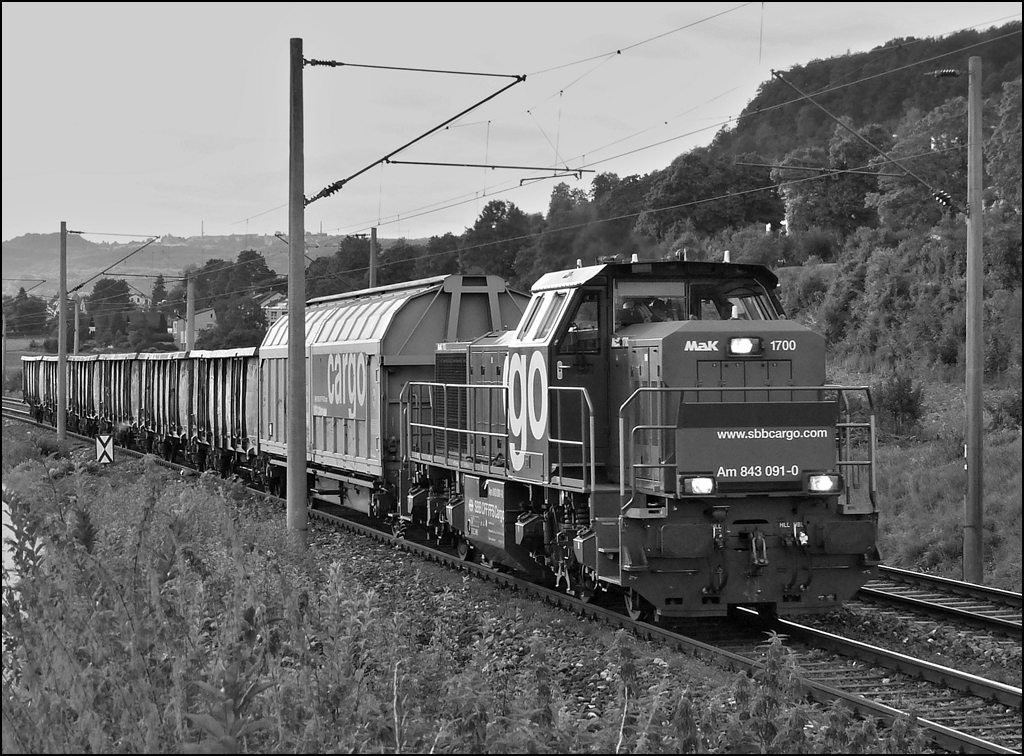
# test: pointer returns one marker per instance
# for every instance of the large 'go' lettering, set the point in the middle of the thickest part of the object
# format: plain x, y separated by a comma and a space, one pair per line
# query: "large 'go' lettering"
526, 380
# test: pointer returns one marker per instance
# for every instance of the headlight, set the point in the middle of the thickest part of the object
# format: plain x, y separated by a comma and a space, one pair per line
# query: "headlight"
702, 486
745, 346
823, 483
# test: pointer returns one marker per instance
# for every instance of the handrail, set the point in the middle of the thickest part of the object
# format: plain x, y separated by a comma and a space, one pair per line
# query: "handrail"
413, 423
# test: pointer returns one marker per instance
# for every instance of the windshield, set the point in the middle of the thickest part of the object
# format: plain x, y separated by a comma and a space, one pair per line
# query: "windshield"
655, 302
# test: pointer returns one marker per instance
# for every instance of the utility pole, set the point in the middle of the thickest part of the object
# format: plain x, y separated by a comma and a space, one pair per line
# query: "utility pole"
297, 489
190, 313
973, 503
62, 336
373, 257
78, 307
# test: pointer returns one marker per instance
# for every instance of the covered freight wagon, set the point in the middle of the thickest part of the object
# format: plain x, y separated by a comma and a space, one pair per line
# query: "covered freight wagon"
362, 348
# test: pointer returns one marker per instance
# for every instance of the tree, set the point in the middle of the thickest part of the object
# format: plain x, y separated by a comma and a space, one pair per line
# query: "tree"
846, 193
159, 291
618, 202
26, 314
251, 272
346, 270
1003, 148
829, 189
175, 304
498, 235
712, 192
399, 263
933, 147
570, 212
441, 257
240, 323
110, 295
148, 330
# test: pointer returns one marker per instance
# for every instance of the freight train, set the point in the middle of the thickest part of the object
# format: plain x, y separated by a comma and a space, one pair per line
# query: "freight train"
653, 429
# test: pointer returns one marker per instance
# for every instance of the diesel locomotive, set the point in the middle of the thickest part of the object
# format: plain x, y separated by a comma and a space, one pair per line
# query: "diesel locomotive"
657, 430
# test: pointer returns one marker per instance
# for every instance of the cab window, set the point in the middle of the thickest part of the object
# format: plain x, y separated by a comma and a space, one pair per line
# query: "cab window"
550, 315
530, 316
583, 334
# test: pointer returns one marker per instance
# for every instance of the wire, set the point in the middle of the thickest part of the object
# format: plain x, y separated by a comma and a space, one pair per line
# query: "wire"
332, 188
620, 50
104, 233
102, 272
337, 64
454, 202
937, 193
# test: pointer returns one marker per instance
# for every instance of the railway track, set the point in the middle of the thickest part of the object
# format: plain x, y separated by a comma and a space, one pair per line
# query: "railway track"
16, 409
960, 712
989, 609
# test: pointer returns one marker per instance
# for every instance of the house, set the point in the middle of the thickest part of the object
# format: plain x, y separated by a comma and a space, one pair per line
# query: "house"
205, 320
139, 300
274, 305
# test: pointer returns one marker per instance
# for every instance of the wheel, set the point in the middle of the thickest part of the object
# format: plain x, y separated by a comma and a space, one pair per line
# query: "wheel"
275, 486
463, 548
637, 607
437, 533
585, 587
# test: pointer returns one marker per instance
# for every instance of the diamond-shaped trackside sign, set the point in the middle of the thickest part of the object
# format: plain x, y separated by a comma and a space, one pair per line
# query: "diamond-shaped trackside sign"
104, 449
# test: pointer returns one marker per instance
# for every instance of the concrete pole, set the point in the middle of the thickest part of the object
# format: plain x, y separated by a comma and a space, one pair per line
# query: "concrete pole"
62, 336
5, 354
78, 308
296, 407
190, 314
373, 257
973, 502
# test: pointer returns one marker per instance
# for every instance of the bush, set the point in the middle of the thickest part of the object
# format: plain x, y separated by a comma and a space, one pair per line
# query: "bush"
804, 290
1005, 409
899, 403
12, 381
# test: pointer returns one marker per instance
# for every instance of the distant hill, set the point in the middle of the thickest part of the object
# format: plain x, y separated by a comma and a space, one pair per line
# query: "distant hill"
37, 256
880, 86
776, 122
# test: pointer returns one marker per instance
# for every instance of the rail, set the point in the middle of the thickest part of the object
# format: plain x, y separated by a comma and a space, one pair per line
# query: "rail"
848, 441
465, 426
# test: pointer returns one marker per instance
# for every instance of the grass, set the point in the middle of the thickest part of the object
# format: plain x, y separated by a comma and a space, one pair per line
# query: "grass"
921, 477
17, 348
164, 614
922, 487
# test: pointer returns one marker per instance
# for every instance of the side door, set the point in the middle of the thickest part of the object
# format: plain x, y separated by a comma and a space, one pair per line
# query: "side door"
581, 364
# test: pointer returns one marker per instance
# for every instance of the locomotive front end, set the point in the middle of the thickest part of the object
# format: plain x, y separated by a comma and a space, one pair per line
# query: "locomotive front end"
750, 480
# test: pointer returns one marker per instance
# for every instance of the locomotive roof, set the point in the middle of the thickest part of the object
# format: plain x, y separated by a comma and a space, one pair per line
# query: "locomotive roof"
661, 269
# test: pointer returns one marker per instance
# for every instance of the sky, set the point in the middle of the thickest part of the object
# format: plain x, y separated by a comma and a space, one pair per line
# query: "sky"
145, 119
